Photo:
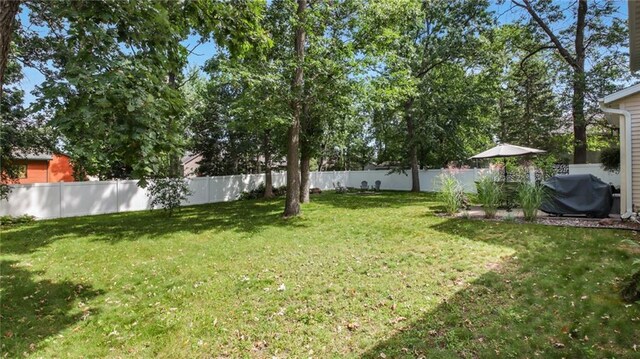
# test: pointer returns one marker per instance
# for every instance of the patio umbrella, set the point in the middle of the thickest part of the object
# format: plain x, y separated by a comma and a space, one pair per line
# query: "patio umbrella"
506, 150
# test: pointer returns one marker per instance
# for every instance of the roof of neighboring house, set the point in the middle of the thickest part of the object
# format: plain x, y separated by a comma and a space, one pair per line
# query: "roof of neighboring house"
191, 157
634, 35
626, 92
38, 156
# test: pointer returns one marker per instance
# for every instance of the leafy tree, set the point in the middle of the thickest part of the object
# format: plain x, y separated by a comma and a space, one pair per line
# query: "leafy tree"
587, 37
419, 38
20, 133
8, 12
112, 73
527, 109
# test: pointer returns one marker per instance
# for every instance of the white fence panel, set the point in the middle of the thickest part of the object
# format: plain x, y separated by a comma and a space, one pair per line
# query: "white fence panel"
54, 200
131, 197
388, 181
82, 198
222, 189
596, 170
199, 187
41, 200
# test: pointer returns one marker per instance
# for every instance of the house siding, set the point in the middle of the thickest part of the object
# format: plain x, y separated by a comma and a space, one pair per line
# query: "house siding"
60, 169
37, 172
632, 104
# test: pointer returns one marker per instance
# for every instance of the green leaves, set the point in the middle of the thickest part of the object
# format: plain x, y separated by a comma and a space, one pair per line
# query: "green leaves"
111, 71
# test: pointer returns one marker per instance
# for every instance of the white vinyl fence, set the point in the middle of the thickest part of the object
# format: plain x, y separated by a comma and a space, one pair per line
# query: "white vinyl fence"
55, 200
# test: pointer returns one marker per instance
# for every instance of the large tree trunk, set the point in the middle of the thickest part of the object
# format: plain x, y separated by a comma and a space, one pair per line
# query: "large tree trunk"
8, 11
305, 172
305, 151
413, 147
268, 179
292, 202
579, 122
579, 89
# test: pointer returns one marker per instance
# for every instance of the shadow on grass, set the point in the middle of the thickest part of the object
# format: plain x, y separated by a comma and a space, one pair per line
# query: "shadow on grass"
35, 310
556, 297
242, 216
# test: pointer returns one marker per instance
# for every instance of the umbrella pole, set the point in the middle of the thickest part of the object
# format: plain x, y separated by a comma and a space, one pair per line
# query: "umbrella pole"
506, 190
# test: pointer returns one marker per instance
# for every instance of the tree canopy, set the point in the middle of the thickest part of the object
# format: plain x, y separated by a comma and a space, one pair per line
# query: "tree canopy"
305, 84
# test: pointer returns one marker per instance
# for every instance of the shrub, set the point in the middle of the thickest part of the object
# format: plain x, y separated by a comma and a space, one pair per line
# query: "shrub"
630, 291
490, 194
255, 193
530, 197
258, 192
168, 193
610, 159
451, 193
10, 220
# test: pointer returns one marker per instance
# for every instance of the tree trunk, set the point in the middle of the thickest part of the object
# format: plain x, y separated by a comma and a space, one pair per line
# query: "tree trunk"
175, 164
8, 11
305, 182
413, 147
579, 89
268, 179
305, 150
292, 202
577, 64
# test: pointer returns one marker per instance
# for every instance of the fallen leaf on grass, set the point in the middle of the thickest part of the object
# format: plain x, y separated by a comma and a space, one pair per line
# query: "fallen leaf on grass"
353, 326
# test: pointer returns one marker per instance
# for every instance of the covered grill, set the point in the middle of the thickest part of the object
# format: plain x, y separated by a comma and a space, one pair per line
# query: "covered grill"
577, 194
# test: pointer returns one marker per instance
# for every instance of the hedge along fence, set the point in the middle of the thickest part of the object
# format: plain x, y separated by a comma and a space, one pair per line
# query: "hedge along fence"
69, 199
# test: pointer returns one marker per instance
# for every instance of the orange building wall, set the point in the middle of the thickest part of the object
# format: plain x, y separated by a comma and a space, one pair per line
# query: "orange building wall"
37, 172
57, 170
60, 169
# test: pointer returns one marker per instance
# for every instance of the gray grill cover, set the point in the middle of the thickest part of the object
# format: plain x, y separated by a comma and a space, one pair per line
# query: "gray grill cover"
578, 194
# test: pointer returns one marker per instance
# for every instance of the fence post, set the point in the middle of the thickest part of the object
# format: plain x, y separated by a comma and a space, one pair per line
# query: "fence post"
208, 189
117, 195
60, 205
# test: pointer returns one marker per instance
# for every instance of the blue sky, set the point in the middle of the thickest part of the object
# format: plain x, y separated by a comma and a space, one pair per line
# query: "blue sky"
33, 78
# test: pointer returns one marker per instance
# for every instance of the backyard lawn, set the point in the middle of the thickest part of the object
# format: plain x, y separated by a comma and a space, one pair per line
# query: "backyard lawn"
356, 276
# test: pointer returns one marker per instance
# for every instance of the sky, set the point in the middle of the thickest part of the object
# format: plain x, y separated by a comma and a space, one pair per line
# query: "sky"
203, 52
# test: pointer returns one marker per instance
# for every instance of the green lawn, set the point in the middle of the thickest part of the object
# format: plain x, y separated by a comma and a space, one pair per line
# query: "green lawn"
356, 276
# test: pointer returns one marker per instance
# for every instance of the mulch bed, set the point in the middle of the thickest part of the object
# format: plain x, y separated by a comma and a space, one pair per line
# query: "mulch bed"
565, 221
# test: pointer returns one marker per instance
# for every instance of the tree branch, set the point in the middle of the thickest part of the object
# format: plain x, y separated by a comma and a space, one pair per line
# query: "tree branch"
525, 4
547, 47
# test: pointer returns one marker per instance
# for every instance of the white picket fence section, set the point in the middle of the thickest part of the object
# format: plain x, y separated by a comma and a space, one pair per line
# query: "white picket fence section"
56, 200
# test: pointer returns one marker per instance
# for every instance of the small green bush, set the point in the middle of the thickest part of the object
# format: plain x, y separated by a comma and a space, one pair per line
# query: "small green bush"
610, 159
490, 194
10, 220
451, 193
168, 193
530, 197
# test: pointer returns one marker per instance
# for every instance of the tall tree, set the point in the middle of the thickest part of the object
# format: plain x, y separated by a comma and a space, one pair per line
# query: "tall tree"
108, 68
422, 36
8, 11
591, 27
292, 201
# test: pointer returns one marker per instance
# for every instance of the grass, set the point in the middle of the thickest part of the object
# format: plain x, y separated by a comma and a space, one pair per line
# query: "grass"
356, 276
